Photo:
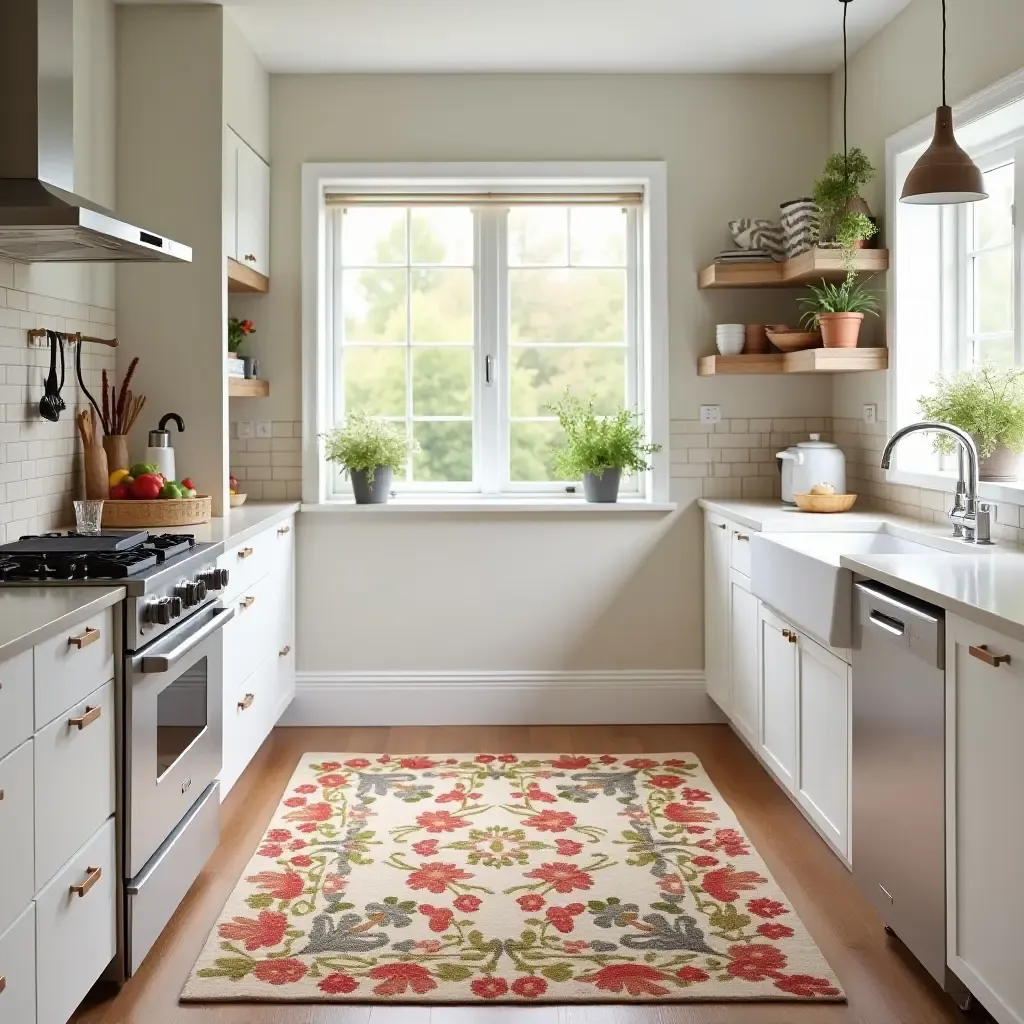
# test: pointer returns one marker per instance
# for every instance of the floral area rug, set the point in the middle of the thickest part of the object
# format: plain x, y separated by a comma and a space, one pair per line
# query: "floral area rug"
507, 878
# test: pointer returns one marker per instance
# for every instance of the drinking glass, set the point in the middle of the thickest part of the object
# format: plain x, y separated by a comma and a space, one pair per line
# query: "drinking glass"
88, 516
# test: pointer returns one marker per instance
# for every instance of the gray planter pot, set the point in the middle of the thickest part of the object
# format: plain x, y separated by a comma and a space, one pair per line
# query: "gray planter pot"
603, 488
375, 493
1002, 466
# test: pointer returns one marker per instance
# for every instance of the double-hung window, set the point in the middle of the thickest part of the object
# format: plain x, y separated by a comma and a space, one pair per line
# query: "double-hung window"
462, 311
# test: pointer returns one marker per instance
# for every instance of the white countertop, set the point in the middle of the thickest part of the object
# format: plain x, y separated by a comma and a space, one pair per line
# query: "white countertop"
240, 523
31, 614
984, 585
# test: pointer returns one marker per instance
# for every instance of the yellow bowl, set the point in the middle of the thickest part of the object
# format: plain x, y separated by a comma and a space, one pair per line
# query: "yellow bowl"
825, 502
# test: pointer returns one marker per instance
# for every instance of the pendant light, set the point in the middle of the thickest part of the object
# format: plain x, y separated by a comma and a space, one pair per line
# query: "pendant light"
945, 174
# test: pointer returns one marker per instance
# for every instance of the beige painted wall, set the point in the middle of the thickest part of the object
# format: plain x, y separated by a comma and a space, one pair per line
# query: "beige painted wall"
895, 80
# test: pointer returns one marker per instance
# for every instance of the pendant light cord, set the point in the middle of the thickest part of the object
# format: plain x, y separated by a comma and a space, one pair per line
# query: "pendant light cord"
944, 52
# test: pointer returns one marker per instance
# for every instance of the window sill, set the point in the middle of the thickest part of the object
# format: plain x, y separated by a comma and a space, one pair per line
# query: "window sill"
484, 506
1013, 493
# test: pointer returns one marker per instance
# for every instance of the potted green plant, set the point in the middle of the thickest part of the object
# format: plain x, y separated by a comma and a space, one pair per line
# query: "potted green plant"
238, 331
599, 448
838, 311
369, 451
845, 216
989, 404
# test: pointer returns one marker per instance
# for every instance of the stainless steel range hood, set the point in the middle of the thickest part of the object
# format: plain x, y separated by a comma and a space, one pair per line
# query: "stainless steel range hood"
42, 220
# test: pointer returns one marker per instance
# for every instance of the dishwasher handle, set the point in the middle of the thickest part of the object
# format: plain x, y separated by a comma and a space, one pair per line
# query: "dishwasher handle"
888, 622
899, 620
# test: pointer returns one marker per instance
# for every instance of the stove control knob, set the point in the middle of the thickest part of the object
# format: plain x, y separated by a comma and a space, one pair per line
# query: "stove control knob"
191, 594
181, 593
162, 611
175, 607
200, 589
223, 575
212, 579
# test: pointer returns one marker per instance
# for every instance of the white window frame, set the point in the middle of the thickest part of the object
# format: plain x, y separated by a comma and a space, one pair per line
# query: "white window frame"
647, 312
927, 285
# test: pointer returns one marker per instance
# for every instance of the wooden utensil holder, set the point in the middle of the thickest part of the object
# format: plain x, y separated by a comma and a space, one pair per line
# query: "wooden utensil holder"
97, 476
116, 447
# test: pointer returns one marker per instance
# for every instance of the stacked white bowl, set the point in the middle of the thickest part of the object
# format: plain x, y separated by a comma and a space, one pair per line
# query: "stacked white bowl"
730, 338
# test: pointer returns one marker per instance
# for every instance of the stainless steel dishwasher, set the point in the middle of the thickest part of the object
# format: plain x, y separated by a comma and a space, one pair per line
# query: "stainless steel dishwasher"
898, 825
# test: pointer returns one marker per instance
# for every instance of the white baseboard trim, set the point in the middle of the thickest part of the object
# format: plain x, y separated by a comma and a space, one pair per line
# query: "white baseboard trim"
626, 697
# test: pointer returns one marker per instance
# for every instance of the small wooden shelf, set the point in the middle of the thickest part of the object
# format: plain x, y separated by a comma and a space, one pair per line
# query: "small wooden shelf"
813, 265
244, 387
812, 360
244, 279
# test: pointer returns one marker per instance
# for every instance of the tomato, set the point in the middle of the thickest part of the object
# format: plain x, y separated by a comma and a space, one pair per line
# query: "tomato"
147, 487
187, 484
121, 492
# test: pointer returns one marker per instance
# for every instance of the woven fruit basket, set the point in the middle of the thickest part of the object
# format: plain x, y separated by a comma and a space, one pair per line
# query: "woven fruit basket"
160, 512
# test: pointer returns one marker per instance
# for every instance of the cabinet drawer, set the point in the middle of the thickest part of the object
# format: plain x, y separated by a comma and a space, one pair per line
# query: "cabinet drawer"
72, 664
251, 636
739, 548
246, 562
78, 933
248, 718
18, 970
74, 772
17, 867
15, 701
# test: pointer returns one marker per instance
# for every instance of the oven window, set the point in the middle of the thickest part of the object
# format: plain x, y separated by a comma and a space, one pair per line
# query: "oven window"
181, 715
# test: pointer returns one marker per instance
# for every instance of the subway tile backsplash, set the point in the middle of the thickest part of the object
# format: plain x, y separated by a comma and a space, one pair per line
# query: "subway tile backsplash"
269, 468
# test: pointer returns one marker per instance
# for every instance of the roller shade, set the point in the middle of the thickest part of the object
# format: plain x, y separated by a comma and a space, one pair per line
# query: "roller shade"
617, 198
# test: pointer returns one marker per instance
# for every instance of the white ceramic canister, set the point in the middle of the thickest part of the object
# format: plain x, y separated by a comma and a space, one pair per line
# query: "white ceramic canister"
159, 452
809, 463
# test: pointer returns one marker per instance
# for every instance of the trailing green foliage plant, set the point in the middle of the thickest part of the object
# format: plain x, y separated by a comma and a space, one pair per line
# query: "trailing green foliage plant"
835, 192
364, 443
595, 443
988, 403
851, 296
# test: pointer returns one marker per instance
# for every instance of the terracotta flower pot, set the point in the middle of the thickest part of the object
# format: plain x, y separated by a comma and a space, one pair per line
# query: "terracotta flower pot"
840, 330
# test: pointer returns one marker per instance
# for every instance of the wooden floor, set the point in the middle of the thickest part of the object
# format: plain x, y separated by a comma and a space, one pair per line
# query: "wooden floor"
883, 986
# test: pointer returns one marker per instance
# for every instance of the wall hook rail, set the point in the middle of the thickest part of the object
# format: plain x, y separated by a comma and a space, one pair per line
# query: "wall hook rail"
74, 338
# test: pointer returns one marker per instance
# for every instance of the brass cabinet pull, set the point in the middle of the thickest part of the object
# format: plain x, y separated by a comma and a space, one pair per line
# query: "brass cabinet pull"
741, 536
785, 633
283, 653
249, 258
90, 716
246, 702
982, 653
247, 602
282, 530
94, 875
790, 635
3, 983
90, 636
1, 794
245, 553
793, 638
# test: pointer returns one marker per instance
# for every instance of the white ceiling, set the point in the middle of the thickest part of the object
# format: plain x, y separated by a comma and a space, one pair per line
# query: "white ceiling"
555, 35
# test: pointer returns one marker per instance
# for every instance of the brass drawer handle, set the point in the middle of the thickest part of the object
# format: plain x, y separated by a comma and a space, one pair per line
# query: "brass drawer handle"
246, 702
245, 553
790, 635
741, 536
94, 875
793, 638
982, 653
3, 983
248, 602
90, 716
282, 530
1, 794
90, 636
283, 653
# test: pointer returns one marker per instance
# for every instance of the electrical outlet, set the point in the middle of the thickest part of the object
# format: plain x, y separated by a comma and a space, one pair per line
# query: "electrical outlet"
869, 414
711, 414
245, 428
264, 428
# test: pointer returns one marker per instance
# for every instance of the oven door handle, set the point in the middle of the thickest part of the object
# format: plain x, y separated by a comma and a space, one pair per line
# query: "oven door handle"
153, 663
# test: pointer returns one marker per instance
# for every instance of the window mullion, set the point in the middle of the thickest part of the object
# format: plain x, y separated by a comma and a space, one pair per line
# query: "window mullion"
1018, 256
486, 403
503, 390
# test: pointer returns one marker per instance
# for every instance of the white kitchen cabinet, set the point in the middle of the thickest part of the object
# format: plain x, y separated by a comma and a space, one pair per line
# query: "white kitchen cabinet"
824, 730
253, 211
716, 611
18, 969
743, 630
778, 677
985, 814
230, 193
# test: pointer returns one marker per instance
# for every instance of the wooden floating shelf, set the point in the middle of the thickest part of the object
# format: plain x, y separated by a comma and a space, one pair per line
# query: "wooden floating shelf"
811, 360
244, 387
808, 267
244, 279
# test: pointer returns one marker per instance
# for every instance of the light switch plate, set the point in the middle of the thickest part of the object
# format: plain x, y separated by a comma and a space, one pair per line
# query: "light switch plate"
264, 428
869, 414
245, 428
711, 414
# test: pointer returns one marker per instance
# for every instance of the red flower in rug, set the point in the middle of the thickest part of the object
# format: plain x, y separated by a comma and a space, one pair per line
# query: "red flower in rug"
774, 931
507, 758
531, 902
489, 988
338, 984
683, 814
529, 987
332, 780
731, 842
314, 812
281, 885
674, 762
694, 795
270, 850
562, 876
561, 917
384, 759
425, 847
302, 861
450, 798
755, 962
766, 908
297, 844
278, 835
551, 821
535, 793
704, 862
440, 917
692, 974
484, 758
333, 766
665, 781
727, 883
607, 759
436, 877
640, 763
280, 972
570, 762
428, 946
309, 826
697, 829
396, 979
356, 762
333, 884
440, 821
467, 904
636, 979
306, 788
417, 762
568, 847
295, 801
265, 930
806, 985
672, 884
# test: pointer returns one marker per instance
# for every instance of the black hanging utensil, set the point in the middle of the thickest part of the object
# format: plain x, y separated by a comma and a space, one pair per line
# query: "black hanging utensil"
48, 407
61, 404
81, 383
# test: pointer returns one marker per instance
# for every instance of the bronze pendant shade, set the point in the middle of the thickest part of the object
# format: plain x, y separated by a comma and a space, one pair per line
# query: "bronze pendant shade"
944, 173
